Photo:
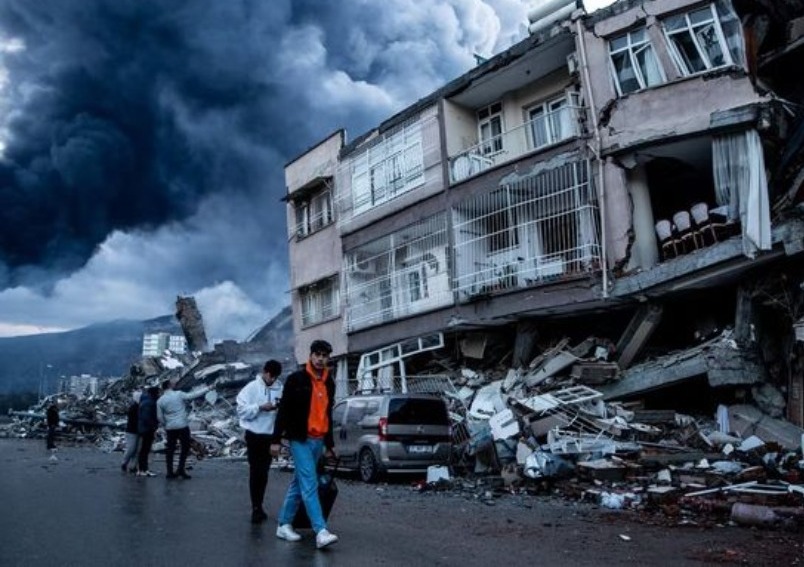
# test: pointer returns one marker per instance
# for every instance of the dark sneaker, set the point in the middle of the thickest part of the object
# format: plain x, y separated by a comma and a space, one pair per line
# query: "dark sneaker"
258, 516
184, 475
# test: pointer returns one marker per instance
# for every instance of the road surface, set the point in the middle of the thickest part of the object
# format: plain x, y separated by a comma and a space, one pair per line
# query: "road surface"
82, 511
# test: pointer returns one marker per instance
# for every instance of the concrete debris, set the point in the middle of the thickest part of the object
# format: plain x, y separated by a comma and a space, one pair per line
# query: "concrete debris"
545, 428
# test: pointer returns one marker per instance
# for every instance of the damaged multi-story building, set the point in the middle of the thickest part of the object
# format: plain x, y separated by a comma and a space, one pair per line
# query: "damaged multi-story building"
632, 174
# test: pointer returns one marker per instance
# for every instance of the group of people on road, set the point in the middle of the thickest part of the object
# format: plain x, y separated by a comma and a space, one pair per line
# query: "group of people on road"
148, 411
300, 411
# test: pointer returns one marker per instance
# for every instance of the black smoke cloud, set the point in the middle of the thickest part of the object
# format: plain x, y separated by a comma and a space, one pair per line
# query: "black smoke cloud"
172, 119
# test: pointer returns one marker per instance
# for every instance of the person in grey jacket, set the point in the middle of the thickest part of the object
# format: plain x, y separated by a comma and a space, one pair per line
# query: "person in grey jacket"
171, 410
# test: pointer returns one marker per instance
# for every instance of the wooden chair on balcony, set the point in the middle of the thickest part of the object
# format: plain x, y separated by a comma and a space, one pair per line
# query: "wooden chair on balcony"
687, 234
703, 223
668, 243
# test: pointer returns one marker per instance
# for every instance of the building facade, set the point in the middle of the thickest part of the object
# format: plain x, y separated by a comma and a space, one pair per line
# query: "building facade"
637, 159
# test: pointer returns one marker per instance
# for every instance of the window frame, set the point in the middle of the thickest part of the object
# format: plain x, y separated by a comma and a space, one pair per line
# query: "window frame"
320, 301
632, 49
490, 129
689, 29
314, 213
554, 116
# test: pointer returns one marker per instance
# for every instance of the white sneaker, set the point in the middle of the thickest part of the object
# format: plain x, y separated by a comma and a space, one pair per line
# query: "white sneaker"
324, 538
286, 532
145, 473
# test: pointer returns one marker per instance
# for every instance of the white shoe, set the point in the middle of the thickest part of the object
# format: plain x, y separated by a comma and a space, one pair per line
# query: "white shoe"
286, 532
145, 473
324, 538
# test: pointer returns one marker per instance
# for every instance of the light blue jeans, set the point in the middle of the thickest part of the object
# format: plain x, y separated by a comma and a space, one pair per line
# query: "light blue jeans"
304, 486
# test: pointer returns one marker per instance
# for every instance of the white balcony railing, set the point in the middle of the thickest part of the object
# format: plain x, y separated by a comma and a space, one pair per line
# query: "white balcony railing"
541, 132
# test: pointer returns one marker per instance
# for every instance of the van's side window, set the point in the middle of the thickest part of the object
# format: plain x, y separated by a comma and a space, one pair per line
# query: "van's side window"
357, 411
337, 413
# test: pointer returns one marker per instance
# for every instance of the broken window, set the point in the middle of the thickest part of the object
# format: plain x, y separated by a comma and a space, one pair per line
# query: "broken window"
633, 62
705, 39
314, 213
741, 186
320, 301
554, 120
490, 128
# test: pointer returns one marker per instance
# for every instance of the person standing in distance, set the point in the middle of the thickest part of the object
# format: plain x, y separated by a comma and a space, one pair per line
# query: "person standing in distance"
52, 418
147, 425
171, 410
257, 405
305, 420
132, 432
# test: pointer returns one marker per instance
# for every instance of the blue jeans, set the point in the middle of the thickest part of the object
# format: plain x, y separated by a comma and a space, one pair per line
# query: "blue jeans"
304, 486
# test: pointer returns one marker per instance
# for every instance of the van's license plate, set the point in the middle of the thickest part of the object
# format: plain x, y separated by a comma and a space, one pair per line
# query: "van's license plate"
420, 448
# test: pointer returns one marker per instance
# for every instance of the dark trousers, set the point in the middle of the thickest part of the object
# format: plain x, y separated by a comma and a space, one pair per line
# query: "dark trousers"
183, 437
146, 440
258, 446
51, 437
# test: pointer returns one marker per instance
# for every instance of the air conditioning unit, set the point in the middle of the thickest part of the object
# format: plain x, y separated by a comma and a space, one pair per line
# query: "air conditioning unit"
362, 267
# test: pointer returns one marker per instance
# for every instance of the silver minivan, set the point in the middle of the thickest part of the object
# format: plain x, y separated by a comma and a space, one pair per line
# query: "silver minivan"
385, 433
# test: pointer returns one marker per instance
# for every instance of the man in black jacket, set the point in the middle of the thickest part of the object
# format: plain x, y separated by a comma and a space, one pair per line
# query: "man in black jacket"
147, 426
305, 420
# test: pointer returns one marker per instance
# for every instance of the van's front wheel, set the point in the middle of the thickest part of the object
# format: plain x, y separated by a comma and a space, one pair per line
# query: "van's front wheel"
368, 468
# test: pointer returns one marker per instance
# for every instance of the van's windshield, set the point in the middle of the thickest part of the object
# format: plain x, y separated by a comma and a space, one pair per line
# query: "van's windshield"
414, 411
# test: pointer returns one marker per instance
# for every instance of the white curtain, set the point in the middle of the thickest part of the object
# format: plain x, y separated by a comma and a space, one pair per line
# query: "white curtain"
740, 183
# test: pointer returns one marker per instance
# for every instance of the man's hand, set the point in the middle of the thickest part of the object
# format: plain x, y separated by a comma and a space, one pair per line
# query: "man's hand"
268, 406
329, 453
275, 449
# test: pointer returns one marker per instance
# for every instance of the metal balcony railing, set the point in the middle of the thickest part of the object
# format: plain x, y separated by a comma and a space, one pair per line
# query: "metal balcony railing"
541, 132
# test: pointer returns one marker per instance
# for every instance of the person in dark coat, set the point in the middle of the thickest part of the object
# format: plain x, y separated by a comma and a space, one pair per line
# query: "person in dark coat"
147, 426
52, 417
132, 433
305, 420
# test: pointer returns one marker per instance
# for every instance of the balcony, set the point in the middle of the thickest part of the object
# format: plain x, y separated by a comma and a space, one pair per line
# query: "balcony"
542, 132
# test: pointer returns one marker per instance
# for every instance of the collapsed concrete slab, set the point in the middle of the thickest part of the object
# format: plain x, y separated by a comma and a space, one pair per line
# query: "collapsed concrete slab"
720, 360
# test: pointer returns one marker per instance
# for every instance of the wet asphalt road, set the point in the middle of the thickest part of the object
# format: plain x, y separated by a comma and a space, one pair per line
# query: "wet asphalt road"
82, 511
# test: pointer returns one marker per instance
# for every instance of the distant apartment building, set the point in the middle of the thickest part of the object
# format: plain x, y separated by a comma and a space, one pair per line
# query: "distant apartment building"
82, 385
626, 173
155, 344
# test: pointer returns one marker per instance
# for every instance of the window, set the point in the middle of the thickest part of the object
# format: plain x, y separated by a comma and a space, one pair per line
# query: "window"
314, 213
634, 64
704, 39
417, 283
553, 121
320, 301
391, 167
490, 128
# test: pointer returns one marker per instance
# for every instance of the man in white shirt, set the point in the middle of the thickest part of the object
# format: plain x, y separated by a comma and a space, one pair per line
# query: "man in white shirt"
257, 403
171, 410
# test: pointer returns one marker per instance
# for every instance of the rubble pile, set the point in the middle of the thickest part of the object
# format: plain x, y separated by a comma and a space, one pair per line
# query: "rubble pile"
556, 426
550, 427
101, 419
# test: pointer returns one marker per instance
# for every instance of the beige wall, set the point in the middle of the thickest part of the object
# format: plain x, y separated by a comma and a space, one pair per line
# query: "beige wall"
318, 255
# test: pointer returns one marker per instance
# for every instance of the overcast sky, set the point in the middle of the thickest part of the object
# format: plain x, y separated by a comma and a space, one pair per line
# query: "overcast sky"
142, 142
